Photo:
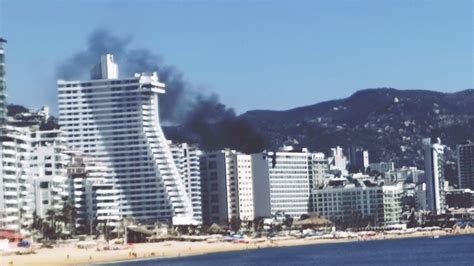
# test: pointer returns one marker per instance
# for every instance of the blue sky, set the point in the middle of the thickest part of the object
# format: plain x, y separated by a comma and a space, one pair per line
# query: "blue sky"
254, 54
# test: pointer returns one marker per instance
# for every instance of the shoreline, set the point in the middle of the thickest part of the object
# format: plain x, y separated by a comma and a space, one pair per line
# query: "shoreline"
71, 255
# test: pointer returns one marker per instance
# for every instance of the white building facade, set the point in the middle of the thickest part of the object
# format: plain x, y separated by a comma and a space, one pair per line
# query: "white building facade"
95, 198
16, 206
318, 167
434, 175
358, 204
338, 161
289, 181
227, 185
48, 169
245, 189
186, 158
392, 207
116, 121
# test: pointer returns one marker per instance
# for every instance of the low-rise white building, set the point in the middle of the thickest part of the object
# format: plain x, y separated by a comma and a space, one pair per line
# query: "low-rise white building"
358, 202
382, 167
403, 174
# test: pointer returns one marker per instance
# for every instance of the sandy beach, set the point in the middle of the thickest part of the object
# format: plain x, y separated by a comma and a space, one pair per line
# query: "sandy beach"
71, 255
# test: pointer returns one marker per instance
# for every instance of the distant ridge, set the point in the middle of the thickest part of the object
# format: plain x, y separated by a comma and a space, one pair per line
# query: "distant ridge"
390, 123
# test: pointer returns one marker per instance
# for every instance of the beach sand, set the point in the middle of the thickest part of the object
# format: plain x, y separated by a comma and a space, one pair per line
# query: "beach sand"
71, 255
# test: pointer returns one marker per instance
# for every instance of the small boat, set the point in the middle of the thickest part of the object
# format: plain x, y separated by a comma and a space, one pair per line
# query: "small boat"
435, 237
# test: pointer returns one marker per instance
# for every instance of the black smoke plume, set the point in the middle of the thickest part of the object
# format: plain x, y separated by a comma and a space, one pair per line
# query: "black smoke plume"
199, 118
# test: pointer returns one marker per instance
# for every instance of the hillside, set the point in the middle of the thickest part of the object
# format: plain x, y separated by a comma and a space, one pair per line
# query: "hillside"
389, 123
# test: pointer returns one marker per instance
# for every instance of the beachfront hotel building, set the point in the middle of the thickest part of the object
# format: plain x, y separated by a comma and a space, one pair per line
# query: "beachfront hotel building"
392, 207
116, 121
465, 154
434, 175
15, 143
283, 180
186, 158
227, 187
358, 202
48, 169
95, 199
16, 204
289, 181
3, 84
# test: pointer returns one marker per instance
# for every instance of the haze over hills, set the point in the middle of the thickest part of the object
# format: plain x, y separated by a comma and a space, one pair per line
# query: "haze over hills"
390, 123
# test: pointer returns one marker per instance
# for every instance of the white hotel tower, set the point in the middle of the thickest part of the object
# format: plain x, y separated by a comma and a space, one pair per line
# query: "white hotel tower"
117, 122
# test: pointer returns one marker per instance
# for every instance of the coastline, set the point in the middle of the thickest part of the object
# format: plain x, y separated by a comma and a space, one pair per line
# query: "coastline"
71, 255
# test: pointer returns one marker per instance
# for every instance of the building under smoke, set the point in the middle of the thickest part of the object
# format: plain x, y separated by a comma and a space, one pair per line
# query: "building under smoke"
117, 122
195, 117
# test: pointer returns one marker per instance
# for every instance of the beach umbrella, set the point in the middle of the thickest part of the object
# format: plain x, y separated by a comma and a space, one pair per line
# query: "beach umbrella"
313, 220
215, 229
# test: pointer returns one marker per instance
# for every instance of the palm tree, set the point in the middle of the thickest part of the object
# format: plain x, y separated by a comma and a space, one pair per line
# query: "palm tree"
51, 230
258, 223
51, 217
37, 222
68, 215
235, 224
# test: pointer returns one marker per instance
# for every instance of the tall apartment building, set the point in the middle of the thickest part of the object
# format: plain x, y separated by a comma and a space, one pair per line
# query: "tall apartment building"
245, 188
48, 169
359, 158
227, 187
261, 185
465, 154
420, 197
362, 160
186, 158
289, 181
338, 161
318, 169
116, 121
3, 84
392, 207
16, 204
434, 175
95, 198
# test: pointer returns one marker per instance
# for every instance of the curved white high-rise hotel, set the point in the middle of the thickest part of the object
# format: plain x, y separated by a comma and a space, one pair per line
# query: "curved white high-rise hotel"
117, 122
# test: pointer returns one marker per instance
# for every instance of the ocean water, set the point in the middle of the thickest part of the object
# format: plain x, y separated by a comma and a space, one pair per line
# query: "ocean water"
451, 250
